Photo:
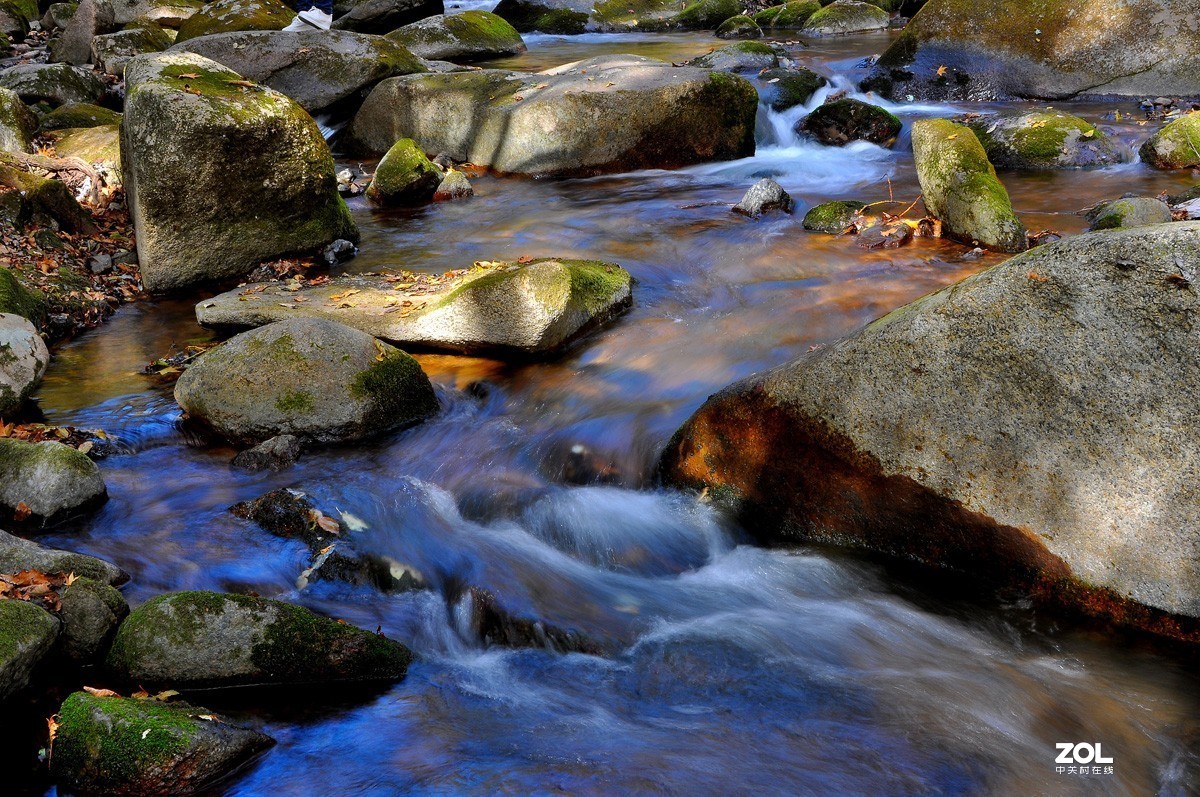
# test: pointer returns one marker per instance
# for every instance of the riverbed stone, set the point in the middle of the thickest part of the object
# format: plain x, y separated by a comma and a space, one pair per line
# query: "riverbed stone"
127, 746
1175, 146
209, 639
23, 361
90, 612
78, 115
1011, 426
168, 13
27, 633
58, 15
315, 68
840, 122
832, 217
47, 196
466, 36
739, 27
1136, 211
404, 176
787, 88
609, 114
960, 186
277, 453
17, 554
531, 308
564, 17
99, 146
74, 45
56, 84
454, 185
227, 16
221, 176
17, 123
112, 51
382, 16
1046, 139
705, 14
50, 479
740, 57
313, 378
844, 17
764, 196
789, 16
997, 49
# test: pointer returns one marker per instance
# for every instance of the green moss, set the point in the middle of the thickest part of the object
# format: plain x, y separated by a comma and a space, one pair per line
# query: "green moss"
78, 115
789, 15
18, 455
741, 27
533, 16
706, 14
640, 14
19, 300
753, 48
20, 624
169, 621
847, 19
832, 217
404, 176
788, 88
594, 283
297, 402
225, 16
1176, 146
470, 34
122, 736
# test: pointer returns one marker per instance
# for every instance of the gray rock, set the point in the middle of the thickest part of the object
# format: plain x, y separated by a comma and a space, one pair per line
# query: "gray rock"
312, 378
404, 176
51, 479
17, 123
17, 554
1129, 212
741, 27
996, 49
314, 68
90, 613
192, 640
960, 187
454, 185
221, 179
742, 57
1012, 425
278, 453
227, 16
764, 196
57, 16
92, 18
840, 122
1046, 139
23, 361
339, 251
27, 632
531, 308
57, 84
787, 88
845, 16
125, 746
112, 51
168, 13
383, 16
466, 36
652, 115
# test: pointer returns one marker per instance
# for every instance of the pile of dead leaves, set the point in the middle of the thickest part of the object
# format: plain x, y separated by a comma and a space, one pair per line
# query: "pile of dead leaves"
84, 440
34, 585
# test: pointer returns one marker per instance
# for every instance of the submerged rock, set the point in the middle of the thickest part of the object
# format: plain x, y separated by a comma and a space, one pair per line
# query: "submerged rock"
609, 114
227, 16
939, 434
404, 176
789, 16
278, 453
1045, 139
18, 554
832, 217
787, 88
27, 633
845, 16
311, 378
764, 196
466, 36
57, 84
1176, 146
382, 16
839, 122
533, 308
221, 176
740, 57
960, 186
49, 479
23, 361
192, 640
125, 746
1129, 212
17, 123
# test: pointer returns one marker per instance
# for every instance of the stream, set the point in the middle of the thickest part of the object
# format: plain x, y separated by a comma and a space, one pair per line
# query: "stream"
728, 668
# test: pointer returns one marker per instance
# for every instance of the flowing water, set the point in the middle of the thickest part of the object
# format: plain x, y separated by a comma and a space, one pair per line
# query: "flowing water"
726, 668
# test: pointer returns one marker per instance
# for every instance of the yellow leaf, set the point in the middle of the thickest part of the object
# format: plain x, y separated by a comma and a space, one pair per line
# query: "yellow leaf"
100, 692
941, 70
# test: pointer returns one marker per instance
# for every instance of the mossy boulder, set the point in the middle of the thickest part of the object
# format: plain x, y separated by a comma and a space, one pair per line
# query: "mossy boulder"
315, 379
17, 554
567, 18
42, 195
404, 176
1176, 146
27, 633
531, 308
1050, 50
18, 124
832, 217
314, 68
705, 14
960, 186
23, 361
789, 16
467, 36
227, 16
112, 51
58, 15
90, 612
740, 27
95, 145
57, 84
1138, 211
221, 176
634, 15
741, 57
167, 13
127, 747
609, 114
15, 298
1009, 426
51, 479
844, 17
194, 640
842, 121
382, 16
79, 115
15, 17
787, 88
1046, 139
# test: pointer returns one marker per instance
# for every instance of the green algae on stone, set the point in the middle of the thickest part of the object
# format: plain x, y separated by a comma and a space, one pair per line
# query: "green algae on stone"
527, 16
405, 176
846, 16
1045, 139
467, 36
791, 15
78, 115
832, 217
788, 88
226, 16
18, 124
740, 27
1175, 146
706, 14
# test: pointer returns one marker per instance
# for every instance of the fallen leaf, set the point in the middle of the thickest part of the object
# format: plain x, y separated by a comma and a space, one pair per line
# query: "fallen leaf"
22, 512
941, 70
100, 692
188, 76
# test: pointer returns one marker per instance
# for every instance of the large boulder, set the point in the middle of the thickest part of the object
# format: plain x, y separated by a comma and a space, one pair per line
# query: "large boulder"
565, 17
787, 88
842, 121
1138, 211
314, 68
112, 51
608, 114
1045, 139
221, 175
27, 633
312, 378
126, 746
705, 14
739, 27
533, 308
789, 16
382, 16
1034, 423
74, 45
17, 554
23, 361
168, 13
995, 49
77, 115
47, 480
1176, 146
960, 187
57, 84
15, 298
191, 640
227, 16
846, 16
99, 146
17, 123
467, 36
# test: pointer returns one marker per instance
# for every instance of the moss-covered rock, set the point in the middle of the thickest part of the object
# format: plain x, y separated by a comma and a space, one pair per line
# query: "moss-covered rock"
17, 123
533, 308
787, 88
208, 639
789, 16
740, 27
842, 121
846, 16
312, 378
740, 57
57, 84
832, 217
27, 633
1129, 212
58, 15
167, 13
960, 186
23, 361
17, 554
404, 176
96, 145
382, 16
706, 14
221, 176
112, 51
1045, 139
634, 15
90, 612
127, 747
526, 16
79, 115
1176, 146
47, 196
15, 298
226, 16
51, 479
467, 36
